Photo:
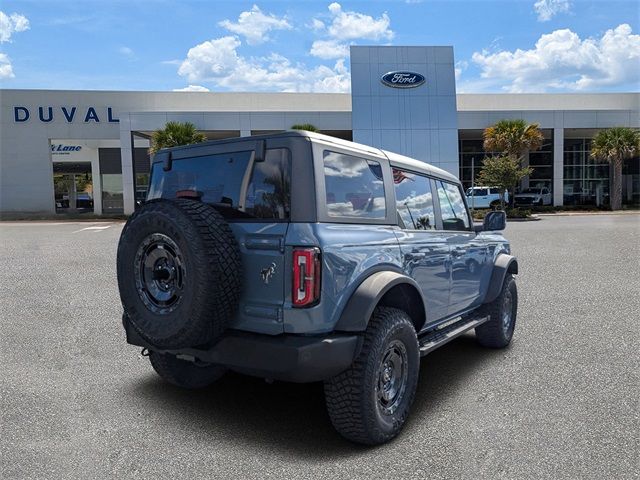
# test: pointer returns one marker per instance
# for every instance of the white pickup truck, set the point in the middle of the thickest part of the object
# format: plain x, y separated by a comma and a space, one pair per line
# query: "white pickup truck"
533, 196
484, 197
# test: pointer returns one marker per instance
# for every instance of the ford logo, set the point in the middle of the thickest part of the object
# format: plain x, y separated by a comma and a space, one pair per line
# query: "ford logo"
402, 79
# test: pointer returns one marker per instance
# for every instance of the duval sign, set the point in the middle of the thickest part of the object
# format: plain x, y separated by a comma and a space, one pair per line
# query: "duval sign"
402, 79
69, 114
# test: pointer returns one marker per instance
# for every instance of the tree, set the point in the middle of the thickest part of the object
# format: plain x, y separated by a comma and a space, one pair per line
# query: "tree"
304, 126
174, 134
615, 145
514, 139
503, 172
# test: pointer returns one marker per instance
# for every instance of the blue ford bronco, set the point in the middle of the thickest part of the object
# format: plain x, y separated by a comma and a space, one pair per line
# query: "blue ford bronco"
301, 257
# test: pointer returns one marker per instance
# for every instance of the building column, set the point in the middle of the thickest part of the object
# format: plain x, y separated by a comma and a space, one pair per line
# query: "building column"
96, 182
245, 133
558, 167
126, 161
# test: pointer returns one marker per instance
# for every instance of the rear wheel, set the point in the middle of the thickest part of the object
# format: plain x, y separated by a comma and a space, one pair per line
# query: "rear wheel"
183, 373
369, 402
497, 332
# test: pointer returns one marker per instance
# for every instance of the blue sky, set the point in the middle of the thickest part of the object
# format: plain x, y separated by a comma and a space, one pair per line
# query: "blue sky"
500, 46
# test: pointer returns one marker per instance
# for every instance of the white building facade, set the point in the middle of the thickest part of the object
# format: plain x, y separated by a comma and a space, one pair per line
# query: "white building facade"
86, 151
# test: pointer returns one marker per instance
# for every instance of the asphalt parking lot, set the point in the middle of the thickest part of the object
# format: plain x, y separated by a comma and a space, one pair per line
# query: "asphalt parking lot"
561, 402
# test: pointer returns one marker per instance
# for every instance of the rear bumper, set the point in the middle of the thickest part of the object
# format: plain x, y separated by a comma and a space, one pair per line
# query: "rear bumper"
291, 358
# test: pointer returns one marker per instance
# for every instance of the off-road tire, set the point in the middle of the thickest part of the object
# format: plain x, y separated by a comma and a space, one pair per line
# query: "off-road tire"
183, 373
209, 288
493, 333
352, 398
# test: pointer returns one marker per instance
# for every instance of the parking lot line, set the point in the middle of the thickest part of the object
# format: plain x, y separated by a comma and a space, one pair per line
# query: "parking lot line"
95, 228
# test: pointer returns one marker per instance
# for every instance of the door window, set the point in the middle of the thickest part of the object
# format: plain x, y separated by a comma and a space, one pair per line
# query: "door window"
414, 201
452, 207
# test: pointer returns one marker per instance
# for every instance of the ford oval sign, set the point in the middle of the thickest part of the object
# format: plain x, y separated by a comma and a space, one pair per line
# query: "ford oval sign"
402, 79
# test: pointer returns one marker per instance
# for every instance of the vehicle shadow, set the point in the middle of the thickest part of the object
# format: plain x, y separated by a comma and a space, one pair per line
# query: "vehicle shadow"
293, 417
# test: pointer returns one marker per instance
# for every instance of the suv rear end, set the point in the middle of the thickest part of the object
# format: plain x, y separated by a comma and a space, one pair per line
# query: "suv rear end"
263, 190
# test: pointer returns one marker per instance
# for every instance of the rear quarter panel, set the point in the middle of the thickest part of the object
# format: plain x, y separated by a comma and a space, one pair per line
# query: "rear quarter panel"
350, 253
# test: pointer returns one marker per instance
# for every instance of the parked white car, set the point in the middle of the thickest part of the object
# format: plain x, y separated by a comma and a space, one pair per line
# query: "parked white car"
533, 196
484, 197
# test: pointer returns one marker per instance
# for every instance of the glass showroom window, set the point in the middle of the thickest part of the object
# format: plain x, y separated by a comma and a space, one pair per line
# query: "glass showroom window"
631, 182
112, 199
586, 181
542, 163
472, 160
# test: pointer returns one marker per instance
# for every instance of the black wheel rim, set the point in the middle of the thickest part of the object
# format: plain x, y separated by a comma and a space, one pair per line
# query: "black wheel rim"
160, 273
392, 377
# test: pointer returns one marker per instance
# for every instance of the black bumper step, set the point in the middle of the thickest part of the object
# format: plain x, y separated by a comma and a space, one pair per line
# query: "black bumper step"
444, 334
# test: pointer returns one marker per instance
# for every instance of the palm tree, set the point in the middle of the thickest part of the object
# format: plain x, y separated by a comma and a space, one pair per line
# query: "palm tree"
304, 126
174, 134
513, 139
615, 145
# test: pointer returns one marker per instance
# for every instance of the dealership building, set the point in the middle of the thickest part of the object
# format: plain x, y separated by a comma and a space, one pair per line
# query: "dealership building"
86, 151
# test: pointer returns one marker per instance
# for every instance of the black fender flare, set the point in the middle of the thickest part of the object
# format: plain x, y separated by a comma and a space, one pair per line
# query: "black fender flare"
504, 264
356, 314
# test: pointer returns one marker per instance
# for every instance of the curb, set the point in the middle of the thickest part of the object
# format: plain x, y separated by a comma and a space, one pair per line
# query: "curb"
571, 214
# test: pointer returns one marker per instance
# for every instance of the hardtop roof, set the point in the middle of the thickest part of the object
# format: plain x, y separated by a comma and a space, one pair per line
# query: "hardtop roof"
396, 159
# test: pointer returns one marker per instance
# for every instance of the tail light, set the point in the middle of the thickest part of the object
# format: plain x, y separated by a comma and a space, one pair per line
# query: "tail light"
307, 270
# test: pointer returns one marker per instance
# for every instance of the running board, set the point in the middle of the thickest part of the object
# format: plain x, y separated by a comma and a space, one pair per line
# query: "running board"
447, 332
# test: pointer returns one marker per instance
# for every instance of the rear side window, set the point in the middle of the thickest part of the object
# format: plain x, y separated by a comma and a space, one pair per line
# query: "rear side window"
354, 186
233, 182
452, 208
414, 201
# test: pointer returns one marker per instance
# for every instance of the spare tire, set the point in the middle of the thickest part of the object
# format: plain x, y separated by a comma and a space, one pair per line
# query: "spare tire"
179, 273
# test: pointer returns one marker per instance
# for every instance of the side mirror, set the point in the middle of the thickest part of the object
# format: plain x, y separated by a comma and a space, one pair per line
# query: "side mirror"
494, 221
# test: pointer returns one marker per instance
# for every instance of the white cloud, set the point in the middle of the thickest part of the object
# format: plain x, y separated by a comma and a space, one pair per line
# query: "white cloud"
211, 59
460, 67
547, 9
316, 25
127, 52
254, 25
192, 88
563, 61
218, 61
10, 24
344, 27
6, 70
354, 25
329, 49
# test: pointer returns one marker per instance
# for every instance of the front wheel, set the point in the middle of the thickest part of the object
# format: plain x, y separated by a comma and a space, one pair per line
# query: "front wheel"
183, 373
369, 402
497, 332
